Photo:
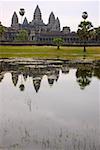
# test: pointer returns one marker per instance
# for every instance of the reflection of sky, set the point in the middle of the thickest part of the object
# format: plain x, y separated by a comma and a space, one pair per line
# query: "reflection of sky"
69, 12
62, 106
64, 99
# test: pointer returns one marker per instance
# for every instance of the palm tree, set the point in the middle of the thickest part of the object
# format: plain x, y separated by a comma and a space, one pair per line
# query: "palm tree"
58, 42
85, 30
21, 12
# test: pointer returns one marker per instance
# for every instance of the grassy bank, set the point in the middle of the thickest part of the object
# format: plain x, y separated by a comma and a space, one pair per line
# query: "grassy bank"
50, 52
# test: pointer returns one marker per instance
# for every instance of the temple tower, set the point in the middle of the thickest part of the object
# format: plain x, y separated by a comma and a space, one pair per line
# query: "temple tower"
14, 22
51, 19
37, 22
37, 14
56, 26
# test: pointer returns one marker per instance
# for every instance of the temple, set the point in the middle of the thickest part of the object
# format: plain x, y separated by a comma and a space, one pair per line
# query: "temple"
37, 23
40, 32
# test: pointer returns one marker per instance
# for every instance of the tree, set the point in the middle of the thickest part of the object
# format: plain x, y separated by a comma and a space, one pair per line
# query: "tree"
58, 42
97, 33
85, 30
22, 35
21, 12
2, 31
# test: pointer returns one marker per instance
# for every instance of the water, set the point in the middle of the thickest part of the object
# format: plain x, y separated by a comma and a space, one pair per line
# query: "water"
49, 105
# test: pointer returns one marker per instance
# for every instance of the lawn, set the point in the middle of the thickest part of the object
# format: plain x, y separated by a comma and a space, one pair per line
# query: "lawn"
49, 52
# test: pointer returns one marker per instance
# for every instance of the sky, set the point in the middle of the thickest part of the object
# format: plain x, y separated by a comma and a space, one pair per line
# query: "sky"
68, 11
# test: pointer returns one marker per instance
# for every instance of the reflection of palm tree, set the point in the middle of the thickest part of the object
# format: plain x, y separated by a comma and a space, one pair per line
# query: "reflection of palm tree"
83, 76
97, 72
21, 87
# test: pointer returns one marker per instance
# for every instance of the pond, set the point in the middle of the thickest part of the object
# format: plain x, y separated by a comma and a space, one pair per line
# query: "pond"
49, 105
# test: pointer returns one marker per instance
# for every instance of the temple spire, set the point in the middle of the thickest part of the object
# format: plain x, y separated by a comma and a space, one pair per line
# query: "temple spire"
56, 26
51, 18
37, 14
14, 21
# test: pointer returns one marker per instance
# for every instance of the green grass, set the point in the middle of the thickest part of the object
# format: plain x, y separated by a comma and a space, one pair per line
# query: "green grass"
49, 52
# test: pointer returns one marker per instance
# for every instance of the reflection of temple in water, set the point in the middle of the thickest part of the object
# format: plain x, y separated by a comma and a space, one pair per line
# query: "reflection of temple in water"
14, 78
37, 83
37, 70
1, 76
65, 69
53, 76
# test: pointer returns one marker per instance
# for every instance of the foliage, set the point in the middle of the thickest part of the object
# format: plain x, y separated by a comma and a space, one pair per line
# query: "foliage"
85, 31
58, 42
2, 30
22, 35
83, 76
97, 72
97, 33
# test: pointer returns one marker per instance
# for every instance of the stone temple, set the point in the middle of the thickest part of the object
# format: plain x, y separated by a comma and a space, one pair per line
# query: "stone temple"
38, 31
37, 23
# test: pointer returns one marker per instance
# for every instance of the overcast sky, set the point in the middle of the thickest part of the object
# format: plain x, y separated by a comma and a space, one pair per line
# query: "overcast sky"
69, 12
